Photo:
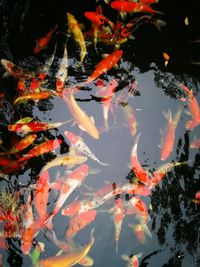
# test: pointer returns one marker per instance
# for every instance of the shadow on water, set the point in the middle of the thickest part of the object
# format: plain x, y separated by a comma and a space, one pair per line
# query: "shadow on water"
174, 216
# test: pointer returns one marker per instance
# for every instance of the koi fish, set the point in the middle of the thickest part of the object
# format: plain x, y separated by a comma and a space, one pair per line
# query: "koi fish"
62, 73
140, 173
81, 118
64, 160
78, 207
28, 125
195, 143
41, 195
75, 29
36, 96
21, 145
168, 136
166, 57
66, 247
107, 98
105, 65
140, 230
40, 149
161, 172
193, 108
42, 42
118, 219
70, 184
81, 146
130, 117
69, 258
16, 71
140, 207
132, 261
132, 7
79, 221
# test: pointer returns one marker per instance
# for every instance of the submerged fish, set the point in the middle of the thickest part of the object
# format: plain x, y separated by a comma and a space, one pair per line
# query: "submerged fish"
61, 75
105, 65
80, 145
42, 42
168, 136
75, 29
67, 259
82, 119
118, 219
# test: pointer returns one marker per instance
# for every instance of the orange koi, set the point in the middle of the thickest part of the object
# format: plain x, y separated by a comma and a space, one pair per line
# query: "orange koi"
40, 149
132, 7
69, 258
193, 108
41, 195
118, 219
21, 145
36, 96
166, 57
161, 172
140, 173
21, 127
81, 118
42, 42
168, 136
16, 71
105, 65
80, 221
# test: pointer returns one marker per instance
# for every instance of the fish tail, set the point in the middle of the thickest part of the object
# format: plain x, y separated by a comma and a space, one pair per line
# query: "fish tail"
177, 117
134, 149
117, 246
167, 115
160, 23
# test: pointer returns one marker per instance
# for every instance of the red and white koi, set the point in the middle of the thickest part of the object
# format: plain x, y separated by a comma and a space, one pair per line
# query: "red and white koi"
132, 261
81, 146
138, 170
70, 184
118, 217
168, 136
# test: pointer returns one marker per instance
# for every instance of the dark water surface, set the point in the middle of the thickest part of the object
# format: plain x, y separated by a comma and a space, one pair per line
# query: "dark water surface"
173, 216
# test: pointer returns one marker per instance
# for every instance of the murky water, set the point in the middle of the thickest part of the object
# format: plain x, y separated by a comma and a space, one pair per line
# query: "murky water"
173, 219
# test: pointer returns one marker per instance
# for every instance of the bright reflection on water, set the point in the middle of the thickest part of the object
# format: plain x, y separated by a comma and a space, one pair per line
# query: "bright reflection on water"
173, 216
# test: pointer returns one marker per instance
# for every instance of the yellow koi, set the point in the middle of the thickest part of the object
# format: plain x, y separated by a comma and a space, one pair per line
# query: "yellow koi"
68, 259
75, 29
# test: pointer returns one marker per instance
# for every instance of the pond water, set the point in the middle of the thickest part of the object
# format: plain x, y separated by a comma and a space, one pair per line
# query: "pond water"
145, 89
